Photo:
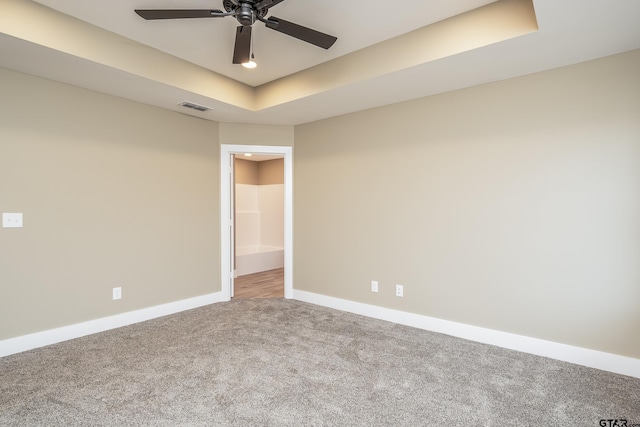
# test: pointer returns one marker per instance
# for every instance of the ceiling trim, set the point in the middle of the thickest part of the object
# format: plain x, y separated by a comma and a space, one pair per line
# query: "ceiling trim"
486, 25
42, 26
438, 58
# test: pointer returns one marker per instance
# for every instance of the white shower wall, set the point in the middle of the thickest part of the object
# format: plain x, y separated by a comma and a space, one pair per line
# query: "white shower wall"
271, 207
259, 228
259, 215
247, 216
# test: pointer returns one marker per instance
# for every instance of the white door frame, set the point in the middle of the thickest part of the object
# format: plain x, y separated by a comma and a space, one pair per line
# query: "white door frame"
226, 220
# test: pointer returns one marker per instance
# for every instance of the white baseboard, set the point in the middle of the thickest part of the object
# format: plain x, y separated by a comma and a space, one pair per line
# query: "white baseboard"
580, 356
53, 336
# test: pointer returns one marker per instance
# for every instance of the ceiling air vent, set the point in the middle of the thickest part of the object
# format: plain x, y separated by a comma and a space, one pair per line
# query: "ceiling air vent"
193, 106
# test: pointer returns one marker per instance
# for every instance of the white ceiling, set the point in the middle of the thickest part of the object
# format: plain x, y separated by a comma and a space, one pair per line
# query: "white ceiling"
570, 31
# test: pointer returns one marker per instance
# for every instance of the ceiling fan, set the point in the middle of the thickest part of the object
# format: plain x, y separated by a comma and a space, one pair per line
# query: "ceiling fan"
246, 12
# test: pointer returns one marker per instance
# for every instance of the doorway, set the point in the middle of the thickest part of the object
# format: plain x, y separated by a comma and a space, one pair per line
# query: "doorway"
259, 226
227, 213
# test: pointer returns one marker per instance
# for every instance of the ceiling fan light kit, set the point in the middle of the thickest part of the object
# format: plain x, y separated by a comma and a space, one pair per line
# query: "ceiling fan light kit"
246, 12
251, 63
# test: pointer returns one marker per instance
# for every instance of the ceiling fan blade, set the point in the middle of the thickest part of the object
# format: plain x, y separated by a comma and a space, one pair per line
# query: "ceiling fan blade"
267, 4
242, 50
308, 35
179, 13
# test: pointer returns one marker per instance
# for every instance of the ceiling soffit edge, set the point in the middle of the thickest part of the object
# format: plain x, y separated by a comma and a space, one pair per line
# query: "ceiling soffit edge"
37, 24
493, 23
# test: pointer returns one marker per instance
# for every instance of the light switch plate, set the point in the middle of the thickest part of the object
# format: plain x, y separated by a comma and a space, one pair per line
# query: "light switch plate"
11, 220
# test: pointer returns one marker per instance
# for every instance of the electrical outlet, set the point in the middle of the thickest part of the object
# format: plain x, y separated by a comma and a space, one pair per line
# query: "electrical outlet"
399, 290
374, 286
117, 293
12, 220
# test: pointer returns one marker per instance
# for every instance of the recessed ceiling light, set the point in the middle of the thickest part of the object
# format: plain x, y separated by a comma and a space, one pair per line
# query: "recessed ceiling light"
247, 154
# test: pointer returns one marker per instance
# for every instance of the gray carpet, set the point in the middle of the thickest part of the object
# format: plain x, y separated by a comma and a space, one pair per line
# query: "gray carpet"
275, 362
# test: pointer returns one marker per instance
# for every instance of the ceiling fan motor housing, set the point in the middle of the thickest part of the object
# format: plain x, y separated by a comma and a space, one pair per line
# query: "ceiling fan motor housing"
245, 11
246, 15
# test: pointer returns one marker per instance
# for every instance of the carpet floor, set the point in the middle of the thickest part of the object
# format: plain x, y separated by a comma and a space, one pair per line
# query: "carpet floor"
276, 362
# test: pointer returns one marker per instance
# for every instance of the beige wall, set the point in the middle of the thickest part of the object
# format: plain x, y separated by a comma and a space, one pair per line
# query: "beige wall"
271, 172
513, 206
265, 172
255, 134
246, 172
113, 193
